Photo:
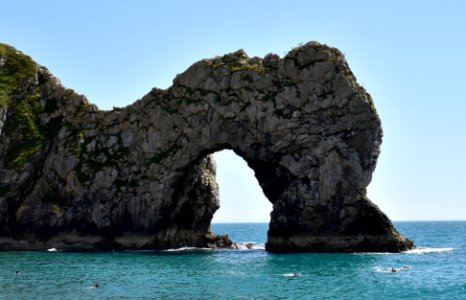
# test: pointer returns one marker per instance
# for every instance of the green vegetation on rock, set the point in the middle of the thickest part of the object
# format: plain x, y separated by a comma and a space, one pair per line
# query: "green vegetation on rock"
23, 124
248, 67
92, 161
15, 68
23, 127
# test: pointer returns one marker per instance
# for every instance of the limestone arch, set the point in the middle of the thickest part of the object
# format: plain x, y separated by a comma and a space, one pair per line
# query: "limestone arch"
301, 220
141, 177
311, 138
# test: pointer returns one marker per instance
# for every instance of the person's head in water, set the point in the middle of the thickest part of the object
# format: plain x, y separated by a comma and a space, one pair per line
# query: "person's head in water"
393, 270
18, 272
96, 285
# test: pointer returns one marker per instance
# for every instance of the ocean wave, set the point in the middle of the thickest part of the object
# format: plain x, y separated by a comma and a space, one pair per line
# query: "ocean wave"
418, 250
53, 250
424, 250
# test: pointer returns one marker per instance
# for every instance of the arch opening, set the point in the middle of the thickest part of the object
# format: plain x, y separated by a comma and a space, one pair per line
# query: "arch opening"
244, 212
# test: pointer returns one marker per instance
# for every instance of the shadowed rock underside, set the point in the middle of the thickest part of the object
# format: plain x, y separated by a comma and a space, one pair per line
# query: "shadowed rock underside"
73, 177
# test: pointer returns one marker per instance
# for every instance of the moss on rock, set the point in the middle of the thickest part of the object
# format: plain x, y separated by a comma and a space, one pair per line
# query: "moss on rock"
15, 68
23, 126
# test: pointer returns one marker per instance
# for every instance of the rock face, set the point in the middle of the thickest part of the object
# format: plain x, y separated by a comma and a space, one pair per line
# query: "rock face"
141, 177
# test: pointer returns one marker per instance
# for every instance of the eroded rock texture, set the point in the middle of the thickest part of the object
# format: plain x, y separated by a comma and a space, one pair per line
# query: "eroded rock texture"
141, 177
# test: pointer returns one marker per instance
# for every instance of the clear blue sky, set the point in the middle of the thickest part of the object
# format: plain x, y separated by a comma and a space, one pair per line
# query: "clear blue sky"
410, 55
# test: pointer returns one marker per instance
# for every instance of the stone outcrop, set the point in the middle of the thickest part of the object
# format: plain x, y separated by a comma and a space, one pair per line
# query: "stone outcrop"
74, 177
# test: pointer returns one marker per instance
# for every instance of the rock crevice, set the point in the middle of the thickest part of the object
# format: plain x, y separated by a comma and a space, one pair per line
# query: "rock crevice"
73, 177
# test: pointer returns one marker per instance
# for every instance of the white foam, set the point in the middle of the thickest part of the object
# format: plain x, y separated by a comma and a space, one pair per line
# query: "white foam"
258, 246
187, 249
52, 250
380, 269
240, 246
250, 246
418, 250
372, 253
424, 250
94, 286
292, 275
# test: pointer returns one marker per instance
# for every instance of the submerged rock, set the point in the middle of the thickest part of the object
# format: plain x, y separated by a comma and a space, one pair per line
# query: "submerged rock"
73, 177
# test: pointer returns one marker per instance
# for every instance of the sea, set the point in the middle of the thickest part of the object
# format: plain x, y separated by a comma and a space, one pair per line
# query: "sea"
435, 270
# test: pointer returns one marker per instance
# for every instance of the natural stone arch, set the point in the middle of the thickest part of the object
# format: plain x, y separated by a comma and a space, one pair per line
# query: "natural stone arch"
142, 176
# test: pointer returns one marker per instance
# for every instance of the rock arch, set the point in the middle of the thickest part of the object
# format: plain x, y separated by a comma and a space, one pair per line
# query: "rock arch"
142, 177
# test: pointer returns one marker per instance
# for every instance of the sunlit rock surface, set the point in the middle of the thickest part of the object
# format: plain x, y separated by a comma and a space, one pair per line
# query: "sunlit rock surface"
73, 177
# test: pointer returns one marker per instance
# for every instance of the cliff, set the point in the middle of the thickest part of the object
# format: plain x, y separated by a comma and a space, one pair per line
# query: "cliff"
74, 177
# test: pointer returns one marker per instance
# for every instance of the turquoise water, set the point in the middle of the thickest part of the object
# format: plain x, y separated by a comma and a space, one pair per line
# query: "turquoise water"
435, 271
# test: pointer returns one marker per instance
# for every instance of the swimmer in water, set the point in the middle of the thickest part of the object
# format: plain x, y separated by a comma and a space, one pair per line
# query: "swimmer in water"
393, 270
18, 272
95, 285
291, 275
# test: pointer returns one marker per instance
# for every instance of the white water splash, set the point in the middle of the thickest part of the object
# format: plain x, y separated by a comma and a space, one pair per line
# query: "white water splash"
250, 246
372, 253
187, 249
418, 250
52, 250
424, 250
292, 275
391, 269
94, 286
